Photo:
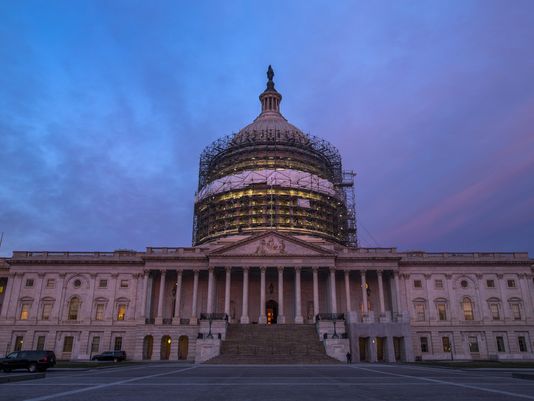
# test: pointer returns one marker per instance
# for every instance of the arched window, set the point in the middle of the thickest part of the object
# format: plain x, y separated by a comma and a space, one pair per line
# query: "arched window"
74, 308
468, 309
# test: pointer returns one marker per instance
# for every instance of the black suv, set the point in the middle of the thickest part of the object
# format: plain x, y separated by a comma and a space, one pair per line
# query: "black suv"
115, 356
31, 360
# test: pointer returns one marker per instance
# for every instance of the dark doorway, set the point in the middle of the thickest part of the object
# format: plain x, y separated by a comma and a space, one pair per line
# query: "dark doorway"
148, 342
397, 346
364, 344
165, 348
380, 349
271, 311
183, 347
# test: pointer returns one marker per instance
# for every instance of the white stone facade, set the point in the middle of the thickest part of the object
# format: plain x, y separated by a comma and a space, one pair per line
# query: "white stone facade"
151, 304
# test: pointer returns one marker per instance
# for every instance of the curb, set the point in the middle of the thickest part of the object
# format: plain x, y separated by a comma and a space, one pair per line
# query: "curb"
19, 378
525, 376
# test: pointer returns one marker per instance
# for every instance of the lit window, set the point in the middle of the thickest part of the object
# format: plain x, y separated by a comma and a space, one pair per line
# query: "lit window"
442, 311
500, 344
494, 308
490, 283
438, 284
446, 342
67, 344
511, 283
424, 344
74, 307
420, 312
473, 343
522, 344
417, 284
29, 282
468, 309
25, 312
102, 283
121, 311
99, 314
516, 311
124, 283
47, 310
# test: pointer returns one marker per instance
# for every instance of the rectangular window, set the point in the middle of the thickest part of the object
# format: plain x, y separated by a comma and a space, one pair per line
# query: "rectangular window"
118, 344
29, 282
522, 344
103, 283
417, 284
473, 343
121, 311
446, 342
500, 344
490, 283
442, 312
420, 312
19, 340
47, 310
511, 283
124, 283
40, 343
99, 314
50, 283
516, 311
495, 315
25, 312
67, 344
424, 344
95, 344
438, 284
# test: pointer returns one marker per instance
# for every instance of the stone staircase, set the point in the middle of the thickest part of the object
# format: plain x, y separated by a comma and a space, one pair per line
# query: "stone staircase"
272, 344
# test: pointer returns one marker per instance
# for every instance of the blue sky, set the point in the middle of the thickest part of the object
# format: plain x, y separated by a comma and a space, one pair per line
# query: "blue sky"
105, 107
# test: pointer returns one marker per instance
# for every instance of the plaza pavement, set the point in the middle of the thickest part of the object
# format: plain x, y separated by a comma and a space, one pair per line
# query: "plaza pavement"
173, 381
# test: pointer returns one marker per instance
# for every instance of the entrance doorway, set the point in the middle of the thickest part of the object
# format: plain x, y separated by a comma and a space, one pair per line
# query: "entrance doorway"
271, 311
183, 347
364, 345
397, 346
380, 349
165, 348
148, 342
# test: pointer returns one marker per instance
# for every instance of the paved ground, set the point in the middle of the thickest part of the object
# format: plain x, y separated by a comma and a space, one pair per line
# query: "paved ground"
282, 382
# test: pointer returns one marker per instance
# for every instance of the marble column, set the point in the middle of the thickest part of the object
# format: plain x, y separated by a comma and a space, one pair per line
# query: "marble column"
315, 292
333, 296
194, 318
211, 289
281, 317
298, 297
347, 290
178, 299
227, 291
159, 315
397, 293
262, 319
145, 295
244, 315
381, 293
364, 293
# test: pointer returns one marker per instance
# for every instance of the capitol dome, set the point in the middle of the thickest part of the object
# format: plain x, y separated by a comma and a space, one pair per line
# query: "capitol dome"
271, 176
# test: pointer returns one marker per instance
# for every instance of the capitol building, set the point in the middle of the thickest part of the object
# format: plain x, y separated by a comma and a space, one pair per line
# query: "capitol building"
275, 274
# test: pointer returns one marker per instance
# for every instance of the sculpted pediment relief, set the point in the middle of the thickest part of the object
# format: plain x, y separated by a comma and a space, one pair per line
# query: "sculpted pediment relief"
271, 244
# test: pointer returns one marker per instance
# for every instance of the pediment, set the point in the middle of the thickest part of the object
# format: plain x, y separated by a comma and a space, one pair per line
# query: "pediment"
271, 244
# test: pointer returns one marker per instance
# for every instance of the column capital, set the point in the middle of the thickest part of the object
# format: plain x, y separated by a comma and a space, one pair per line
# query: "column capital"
298, 268
263, 269
228, 269
211, 269
346, 271
315, 269
246, 268
196, 271
179, 272
362, 272
332, 269
380, 272
280, 269
163, 271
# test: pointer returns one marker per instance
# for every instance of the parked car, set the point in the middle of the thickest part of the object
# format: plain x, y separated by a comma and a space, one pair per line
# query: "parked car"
31, 360
115, 356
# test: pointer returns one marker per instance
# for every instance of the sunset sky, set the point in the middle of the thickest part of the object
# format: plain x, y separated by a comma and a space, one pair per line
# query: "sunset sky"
105, 107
